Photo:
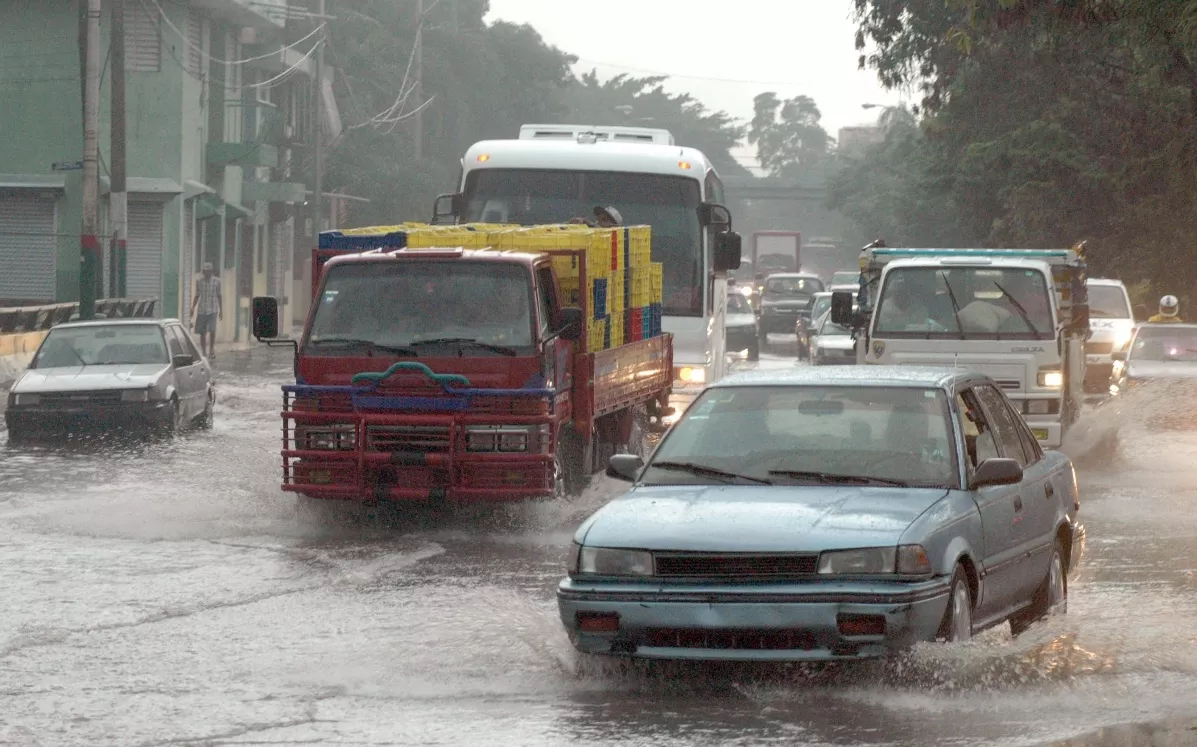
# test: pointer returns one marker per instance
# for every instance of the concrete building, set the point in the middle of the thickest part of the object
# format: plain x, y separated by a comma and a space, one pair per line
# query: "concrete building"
220, 127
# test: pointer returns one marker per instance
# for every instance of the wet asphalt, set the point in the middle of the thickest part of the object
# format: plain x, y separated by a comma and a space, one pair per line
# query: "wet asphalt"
167, 593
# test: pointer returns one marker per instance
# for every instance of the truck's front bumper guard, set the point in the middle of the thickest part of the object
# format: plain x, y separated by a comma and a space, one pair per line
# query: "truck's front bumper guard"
402, 447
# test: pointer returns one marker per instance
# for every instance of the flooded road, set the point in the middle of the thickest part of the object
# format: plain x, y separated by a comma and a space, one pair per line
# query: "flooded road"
172, 594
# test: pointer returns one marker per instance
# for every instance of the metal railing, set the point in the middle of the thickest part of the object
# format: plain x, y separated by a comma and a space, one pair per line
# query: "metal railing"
22, 319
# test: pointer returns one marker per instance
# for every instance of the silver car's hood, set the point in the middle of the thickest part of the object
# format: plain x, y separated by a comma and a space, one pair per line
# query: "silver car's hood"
757, 518
1162, 370
836, 342
90, 378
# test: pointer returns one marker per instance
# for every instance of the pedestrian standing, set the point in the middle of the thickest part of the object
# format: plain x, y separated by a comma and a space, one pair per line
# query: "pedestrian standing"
206, 308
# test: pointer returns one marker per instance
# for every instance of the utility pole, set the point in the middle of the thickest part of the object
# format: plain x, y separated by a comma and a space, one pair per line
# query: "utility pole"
418, 66
318, 129
119, 196
89, 260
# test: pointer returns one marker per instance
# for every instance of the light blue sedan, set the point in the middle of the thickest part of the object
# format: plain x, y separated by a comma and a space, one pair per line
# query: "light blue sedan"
829, 513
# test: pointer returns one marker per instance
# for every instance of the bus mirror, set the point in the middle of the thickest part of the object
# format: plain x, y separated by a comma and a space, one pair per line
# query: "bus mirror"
714, 215
265, 317
727, 251
841, 309
448, 206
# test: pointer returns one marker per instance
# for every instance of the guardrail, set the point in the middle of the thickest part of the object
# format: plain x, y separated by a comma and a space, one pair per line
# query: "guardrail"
37, 318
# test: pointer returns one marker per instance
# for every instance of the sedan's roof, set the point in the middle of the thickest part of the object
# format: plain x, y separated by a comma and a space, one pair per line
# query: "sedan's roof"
116, 322
921, 377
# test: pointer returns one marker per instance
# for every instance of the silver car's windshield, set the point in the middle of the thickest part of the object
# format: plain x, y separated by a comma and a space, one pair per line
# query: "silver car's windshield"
819, 306
737, 304
102, 345
1165, 344
798, 434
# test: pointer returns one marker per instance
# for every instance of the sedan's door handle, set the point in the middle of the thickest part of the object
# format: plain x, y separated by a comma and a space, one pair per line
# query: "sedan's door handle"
1049, 490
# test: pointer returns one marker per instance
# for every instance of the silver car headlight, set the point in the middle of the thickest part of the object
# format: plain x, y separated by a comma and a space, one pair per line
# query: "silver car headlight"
135, 395
906, 560
606, 561
25, 400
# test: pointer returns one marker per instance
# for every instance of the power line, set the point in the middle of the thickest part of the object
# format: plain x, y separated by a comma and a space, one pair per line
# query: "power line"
189, 43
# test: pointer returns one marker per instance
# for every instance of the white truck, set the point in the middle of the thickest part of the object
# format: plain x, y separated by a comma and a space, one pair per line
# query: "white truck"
1112, 322
1019, 315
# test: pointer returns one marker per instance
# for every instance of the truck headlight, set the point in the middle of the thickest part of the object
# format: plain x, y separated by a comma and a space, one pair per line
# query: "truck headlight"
135, 395
905, 559
1051, 378
690, 374
605, 561
510, 439
327, 438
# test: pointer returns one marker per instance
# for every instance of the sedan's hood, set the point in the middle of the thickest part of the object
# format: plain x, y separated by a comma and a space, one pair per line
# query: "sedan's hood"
1162, 370
740, 320
758, 518
90, 378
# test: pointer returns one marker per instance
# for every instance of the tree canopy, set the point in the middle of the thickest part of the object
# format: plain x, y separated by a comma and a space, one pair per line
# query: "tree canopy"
789, 139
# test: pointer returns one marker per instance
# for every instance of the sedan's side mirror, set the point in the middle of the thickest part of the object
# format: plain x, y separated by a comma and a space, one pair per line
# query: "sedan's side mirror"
625, 467
572, 323
182, 361
997, 472
1118, 356
728, 251
265, 317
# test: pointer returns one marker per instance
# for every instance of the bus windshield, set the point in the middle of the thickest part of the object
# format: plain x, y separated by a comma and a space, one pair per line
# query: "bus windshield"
667, 203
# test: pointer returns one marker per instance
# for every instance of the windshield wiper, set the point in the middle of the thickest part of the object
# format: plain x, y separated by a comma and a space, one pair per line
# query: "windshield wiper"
1021, 311
955, 306
698, 469
832, 479
370, 344
500, 349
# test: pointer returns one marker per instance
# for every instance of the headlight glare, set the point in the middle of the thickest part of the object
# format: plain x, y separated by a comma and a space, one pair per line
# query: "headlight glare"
1051, 378
691, 374
867, 560
604, 561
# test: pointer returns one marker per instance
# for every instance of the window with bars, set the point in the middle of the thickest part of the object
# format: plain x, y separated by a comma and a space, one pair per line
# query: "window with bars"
143, 40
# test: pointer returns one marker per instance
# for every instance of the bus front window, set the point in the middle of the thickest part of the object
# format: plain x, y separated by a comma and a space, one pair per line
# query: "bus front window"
669, 204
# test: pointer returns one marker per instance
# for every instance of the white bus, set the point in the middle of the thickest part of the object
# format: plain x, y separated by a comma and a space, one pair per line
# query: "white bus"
557, 172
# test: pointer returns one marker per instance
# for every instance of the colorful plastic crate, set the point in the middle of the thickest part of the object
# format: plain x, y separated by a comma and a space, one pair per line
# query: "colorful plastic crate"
617, 329
657, 290
597, 335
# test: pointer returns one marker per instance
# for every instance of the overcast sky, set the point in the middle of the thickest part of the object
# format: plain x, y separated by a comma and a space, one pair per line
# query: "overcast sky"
723, 52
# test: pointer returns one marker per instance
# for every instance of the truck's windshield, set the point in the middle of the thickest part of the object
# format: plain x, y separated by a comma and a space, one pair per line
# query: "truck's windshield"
454, 307
969, 302
667, 203
1108, 302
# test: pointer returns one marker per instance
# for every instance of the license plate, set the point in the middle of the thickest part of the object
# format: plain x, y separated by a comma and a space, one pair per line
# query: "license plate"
1039, 433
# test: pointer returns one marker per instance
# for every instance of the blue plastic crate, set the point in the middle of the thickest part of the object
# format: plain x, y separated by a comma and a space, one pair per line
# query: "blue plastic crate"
599, 301
340, 242
646, 325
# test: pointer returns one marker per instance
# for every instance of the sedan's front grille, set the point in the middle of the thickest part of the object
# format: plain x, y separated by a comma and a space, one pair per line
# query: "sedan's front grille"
703, 565
1099, 348
76, 399
734, 640
406, 438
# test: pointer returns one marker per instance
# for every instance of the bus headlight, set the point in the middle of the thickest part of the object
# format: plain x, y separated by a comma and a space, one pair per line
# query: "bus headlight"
690, 374
1051, 378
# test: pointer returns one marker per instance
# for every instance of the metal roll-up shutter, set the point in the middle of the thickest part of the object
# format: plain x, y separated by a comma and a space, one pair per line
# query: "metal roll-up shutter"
28, 248
188, 273
144, 254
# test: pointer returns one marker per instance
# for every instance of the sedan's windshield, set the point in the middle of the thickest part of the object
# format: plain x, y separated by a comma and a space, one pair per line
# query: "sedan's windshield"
793, 286
102, 345
1160, 344
737, 304
965, 302
1108, 302
423, 307
786, 434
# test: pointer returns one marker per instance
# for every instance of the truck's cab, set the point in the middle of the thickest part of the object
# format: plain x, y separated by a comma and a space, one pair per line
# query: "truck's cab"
1018, 316
1112, 323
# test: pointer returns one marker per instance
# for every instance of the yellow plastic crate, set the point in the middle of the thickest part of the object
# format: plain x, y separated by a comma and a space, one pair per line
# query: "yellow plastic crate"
641, 286
617, 328
597, 335
640, 238
615, 292
657, 289
463, 239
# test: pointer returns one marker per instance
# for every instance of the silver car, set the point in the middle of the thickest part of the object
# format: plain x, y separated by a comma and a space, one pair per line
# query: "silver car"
137, 373
831, 344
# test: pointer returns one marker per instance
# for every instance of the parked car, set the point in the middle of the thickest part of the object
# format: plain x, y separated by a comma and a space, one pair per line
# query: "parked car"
845, 280
784, 297
133, 373
817, 514
831, 344
740, 327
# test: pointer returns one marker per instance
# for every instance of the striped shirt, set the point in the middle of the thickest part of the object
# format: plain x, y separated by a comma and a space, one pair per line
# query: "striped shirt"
207, 290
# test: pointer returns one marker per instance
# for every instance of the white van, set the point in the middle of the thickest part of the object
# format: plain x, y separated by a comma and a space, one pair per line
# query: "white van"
1112, 321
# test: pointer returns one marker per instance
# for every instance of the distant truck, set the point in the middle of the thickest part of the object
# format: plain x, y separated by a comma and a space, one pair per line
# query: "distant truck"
451, 371
1020, 316
775, 251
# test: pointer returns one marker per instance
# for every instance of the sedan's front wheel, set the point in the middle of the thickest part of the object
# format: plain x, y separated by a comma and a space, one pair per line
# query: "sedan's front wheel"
1051, 598
957, 625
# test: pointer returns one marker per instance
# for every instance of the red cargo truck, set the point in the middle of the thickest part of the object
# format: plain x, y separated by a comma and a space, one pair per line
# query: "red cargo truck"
456, 375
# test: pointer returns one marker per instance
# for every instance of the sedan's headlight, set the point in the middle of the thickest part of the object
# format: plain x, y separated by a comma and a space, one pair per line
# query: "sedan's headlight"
135, 395
605, 561
25, 400
906, 559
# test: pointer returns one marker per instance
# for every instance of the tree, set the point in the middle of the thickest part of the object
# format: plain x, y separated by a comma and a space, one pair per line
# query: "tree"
787, 134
